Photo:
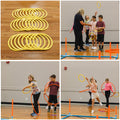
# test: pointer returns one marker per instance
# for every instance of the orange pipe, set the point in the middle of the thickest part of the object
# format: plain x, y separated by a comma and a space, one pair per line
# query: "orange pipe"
69, 105
12, 108
65, 45
109, 112
110, 50
99, 54
96, 116
115, 110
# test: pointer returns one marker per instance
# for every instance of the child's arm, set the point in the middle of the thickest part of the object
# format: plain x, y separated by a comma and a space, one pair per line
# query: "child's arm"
82, 23
87, 85
71, 30
88, 81
111, 88
27, 86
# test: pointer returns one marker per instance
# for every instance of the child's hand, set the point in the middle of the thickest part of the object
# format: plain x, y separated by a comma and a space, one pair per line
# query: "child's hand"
44, 93
23, 89
96, 13
86, 78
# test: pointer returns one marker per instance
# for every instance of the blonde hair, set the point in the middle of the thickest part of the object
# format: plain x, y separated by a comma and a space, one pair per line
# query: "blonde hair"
32, 78
81, 12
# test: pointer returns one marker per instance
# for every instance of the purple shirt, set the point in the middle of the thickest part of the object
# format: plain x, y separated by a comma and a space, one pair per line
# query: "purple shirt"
54, 88
100, 24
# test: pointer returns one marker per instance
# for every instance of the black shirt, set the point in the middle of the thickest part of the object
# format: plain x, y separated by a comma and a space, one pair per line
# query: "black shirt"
77, 24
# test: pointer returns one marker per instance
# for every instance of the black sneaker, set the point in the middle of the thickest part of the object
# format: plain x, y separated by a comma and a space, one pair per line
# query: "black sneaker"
54, 109
83, 49
48, 110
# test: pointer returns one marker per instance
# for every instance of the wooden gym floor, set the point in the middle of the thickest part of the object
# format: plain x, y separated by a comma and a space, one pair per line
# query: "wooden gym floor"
23, 112
52, 8
83, 109
88, 52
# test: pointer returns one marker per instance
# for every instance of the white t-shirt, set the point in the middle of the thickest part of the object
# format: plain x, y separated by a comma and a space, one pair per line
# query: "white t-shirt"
93, 27
35, 87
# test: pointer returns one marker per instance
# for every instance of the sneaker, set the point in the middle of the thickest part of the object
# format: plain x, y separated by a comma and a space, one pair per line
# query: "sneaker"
92, 48
34, 114
101, 104
31, 114
83, 49
95, 48
87, 45
48, 110
92, 111
76, 50
89, 104
102, 50
54, 111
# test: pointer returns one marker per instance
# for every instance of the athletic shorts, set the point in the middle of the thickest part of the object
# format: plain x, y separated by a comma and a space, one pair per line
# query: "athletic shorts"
100, 37
95, 95
52, 99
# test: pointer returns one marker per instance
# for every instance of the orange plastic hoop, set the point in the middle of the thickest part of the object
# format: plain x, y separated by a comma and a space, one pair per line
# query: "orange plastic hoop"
106, 110
33, 106
45, 95
113, 87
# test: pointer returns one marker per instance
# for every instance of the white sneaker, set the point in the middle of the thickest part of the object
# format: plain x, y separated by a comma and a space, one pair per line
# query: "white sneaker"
92, 111
92, 48
101, 104
95, 48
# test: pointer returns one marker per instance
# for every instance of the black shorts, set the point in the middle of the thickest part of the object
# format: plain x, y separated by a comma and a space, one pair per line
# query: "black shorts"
100, 37
52, 99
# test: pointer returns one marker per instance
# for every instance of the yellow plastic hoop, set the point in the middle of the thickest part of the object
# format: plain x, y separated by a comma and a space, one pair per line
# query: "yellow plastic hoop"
29, 41
80, 79
98, 4
27, 91
93, 34
29, 13
29, 24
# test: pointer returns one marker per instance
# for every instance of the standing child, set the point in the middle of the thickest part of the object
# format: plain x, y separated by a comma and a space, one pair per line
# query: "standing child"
108, 88
93, 32
93, 89
100, 32
53, 91
86, 28
36, 93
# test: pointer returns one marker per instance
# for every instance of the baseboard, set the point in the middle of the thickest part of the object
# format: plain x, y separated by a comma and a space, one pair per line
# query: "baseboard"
91, 42
87, 102
17, 103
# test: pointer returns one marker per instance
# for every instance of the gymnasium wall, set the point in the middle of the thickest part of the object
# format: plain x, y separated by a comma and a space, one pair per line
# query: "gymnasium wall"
109, 10
15, 78
70, 85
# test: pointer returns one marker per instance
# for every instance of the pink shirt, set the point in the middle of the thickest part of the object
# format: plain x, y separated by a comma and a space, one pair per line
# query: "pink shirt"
108, 87
93, 27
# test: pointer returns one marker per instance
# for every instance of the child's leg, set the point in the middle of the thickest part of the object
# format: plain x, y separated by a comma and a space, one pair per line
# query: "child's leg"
55, 102
99, 101
50, 102
102, 45
93, 100
36, 97
92, 41
95, 41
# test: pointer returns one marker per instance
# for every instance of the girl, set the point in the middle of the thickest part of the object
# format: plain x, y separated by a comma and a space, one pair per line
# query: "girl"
86, 29
36, 93
93, 89
108, 88
93, 32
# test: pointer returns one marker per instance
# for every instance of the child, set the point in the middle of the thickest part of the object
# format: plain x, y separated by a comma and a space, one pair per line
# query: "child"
100, 32
108, 88
86, 28
53, 86
93, 32
36, 93
93, 89
90, 100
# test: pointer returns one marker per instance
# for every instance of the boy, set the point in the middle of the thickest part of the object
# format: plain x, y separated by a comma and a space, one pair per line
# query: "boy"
100, 32
53, 90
